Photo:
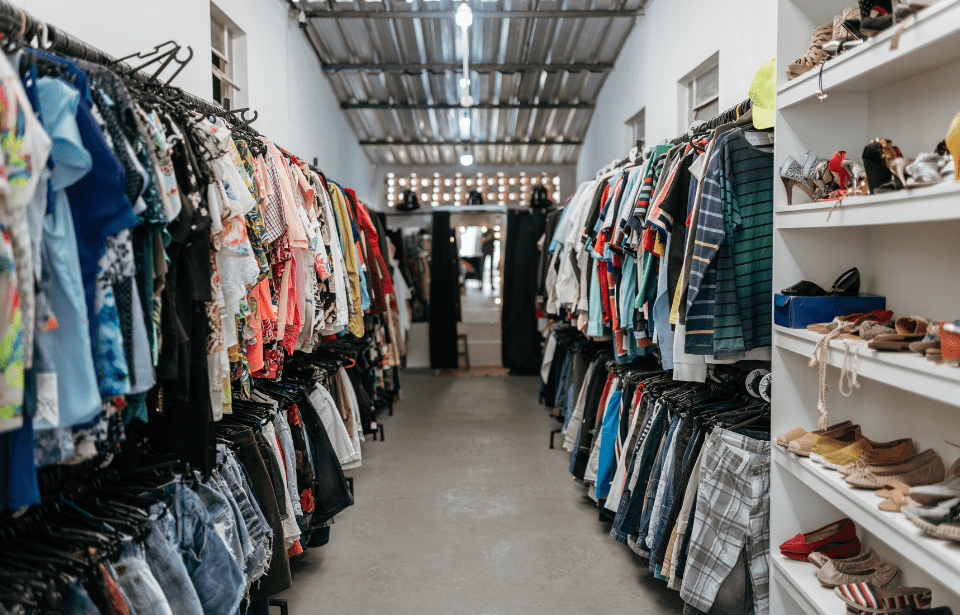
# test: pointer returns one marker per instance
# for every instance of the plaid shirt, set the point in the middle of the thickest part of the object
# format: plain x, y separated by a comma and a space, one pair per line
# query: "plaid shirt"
274, 219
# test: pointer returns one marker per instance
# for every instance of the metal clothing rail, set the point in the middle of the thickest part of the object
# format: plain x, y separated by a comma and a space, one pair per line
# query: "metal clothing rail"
731, 114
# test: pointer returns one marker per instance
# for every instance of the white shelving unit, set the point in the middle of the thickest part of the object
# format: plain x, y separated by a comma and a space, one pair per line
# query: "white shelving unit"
939, 203
941, 559
905, 245
903, 370
929, 40
800, 580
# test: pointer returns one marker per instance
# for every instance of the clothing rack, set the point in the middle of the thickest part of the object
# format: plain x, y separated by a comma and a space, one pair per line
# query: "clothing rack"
729, 115
19, 26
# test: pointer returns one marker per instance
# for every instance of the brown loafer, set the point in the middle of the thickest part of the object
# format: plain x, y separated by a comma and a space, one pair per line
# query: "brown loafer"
913, 474
852, 468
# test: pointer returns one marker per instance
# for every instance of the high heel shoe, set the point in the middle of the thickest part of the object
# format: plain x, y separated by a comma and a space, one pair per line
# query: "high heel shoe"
791, 175
816, 171
815, 54
840, 173
875, 157
953, 144
858, 178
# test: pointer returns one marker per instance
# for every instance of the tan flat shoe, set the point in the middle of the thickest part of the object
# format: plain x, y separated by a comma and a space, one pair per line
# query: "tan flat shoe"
818, 559
876, 573
803, 445
796, 433
913, 474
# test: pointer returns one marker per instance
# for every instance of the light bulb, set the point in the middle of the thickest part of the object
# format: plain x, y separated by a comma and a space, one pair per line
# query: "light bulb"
464, 15
466, 159
466, 101
465, 125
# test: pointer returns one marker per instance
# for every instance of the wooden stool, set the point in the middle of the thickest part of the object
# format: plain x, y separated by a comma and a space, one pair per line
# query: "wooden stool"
463, 349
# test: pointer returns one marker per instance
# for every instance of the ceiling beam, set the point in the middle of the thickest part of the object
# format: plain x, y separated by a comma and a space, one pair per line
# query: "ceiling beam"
430, 143
440, 67
561, 14
458, 106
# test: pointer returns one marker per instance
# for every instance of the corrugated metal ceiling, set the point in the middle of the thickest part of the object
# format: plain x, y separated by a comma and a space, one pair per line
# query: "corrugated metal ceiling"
537, 68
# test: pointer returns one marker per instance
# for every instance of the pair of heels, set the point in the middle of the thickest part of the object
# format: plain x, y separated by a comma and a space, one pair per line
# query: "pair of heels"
878, 15
887, 169
828, 40
822, 179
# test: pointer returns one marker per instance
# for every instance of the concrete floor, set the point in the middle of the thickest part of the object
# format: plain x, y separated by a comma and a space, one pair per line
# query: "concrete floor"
464, 510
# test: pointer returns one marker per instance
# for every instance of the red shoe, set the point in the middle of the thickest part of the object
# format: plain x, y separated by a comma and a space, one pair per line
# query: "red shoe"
843, 530
833, 551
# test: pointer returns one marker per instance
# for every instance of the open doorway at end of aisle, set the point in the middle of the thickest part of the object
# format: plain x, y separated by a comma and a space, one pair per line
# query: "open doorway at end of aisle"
480, 251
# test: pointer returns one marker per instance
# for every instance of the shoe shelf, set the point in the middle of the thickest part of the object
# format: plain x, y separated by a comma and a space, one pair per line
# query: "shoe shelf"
937, 203
800, 581
939, 558
903, 370
930, 39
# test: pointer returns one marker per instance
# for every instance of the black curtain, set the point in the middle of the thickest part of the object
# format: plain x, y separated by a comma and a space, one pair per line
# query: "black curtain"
444, 295
521, 340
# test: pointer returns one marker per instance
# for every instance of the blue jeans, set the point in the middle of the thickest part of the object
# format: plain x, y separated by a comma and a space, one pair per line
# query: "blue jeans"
625, 523
76, 601
651, 492
289, 461
218, 482
215, 575
167, 565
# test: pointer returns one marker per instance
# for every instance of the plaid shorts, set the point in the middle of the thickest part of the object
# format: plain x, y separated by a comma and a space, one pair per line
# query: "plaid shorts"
732, 514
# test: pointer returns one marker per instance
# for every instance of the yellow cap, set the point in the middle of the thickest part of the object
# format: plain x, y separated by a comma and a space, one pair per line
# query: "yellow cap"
763, 94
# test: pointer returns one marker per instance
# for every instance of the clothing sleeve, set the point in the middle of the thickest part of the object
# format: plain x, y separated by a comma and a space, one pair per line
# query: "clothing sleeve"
709, 232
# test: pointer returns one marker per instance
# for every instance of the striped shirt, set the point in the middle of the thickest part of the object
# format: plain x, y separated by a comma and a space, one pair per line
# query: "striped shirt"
735, 231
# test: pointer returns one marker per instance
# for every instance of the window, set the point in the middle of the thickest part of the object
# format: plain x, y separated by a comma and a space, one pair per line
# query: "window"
227, 48
700, 93
637, 124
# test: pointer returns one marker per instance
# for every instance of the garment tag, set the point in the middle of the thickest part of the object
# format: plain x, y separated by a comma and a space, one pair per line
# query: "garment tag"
698, 167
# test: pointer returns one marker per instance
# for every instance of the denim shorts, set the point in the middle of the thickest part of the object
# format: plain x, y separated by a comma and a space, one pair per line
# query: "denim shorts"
167, 565
259, 532
219, 581
138, 583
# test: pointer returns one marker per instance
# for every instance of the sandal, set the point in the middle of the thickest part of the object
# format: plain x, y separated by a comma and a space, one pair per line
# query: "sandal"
866, 598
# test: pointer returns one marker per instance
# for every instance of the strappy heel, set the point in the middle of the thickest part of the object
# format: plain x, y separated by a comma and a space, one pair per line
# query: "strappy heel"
792, 177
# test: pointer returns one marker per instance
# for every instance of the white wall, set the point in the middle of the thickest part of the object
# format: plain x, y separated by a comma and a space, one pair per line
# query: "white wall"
285, 84
668, 42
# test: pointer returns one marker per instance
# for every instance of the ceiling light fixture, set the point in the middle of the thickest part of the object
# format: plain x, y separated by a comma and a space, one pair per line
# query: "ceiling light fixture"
464, 124
464, 15
466, 159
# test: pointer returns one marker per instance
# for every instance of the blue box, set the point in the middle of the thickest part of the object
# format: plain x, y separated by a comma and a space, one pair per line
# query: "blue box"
798, 312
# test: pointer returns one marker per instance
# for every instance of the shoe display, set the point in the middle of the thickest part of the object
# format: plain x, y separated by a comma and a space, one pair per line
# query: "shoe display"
866, 598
